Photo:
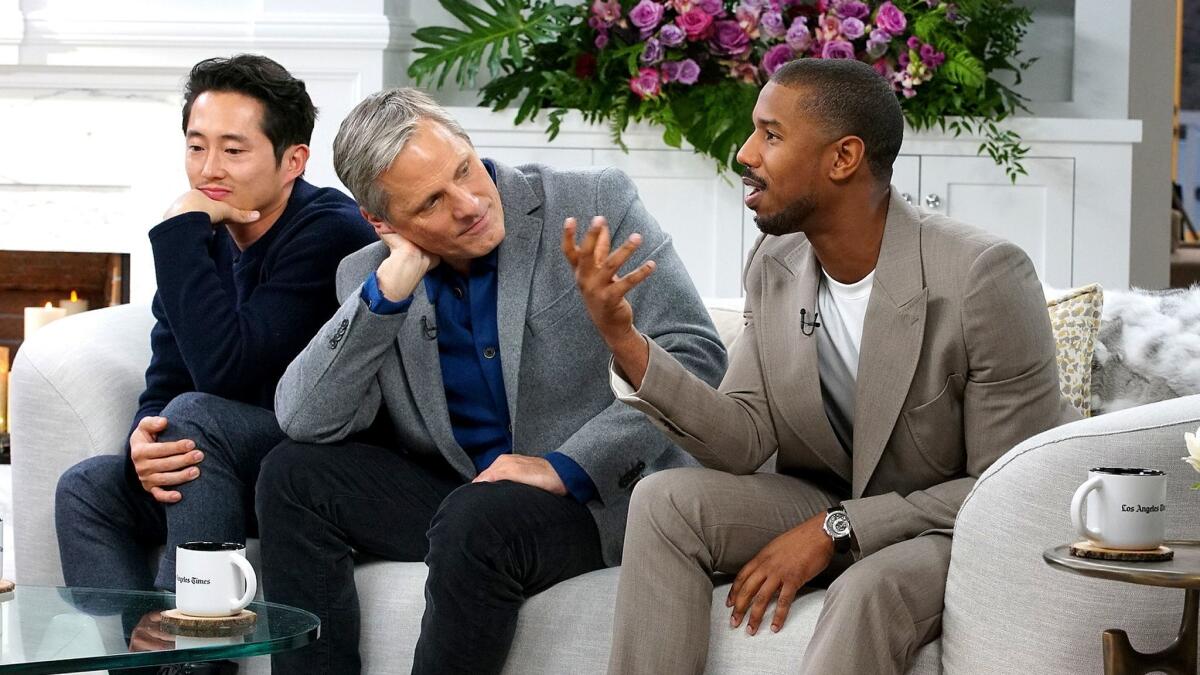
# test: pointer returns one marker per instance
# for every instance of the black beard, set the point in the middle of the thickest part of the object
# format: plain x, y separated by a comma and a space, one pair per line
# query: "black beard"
789, 220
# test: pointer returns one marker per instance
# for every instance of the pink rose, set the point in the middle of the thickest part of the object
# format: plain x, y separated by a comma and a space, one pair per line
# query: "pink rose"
775, 57
837, 49
646, 84
696, 24
890, 18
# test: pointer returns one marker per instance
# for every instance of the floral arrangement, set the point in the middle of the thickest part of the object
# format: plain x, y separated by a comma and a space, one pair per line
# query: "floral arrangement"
694, 67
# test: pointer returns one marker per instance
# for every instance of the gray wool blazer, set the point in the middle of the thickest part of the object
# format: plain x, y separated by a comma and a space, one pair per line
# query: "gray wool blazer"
554, 361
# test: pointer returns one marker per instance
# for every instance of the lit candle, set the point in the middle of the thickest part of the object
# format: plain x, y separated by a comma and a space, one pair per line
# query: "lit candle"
36, 317
3, 390
73, 305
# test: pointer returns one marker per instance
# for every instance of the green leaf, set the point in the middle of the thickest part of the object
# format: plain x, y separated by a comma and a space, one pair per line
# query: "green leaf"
484, 39
963, 68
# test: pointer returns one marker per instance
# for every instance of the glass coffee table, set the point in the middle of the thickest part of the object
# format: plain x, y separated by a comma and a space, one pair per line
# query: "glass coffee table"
47, 629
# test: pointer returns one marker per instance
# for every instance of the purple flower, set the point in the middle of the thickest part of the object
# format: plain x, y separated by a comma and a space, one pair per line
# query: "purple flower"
646, 84
798, 37
890, 18
877, 44
713, 7
854, 10
731, 39
607, 11
671, 35
853, 28
837, 49
646, 15
775, 57
952, 12
683, 72
601, 41
771, 24
931, 57
653, 51
914, 42
696, 23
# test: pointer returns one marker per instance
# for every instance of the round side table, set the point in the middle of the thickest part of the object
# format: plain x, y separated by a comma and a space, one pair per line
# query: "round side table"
1120, 658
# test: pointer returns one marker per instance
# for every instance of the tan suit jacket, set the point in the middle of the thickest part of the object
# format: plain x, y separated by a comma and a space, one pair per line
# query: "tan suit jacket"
957, 365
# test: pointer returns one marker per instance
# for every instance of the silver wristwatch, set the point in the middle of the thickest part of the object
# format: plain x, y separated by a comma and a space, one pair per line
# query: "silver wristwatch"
837, 526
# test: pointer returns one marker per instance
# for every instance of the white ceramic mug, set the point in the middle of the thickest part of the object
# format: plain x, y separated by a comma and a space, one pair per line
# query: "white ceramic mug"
1126, 508
213, 579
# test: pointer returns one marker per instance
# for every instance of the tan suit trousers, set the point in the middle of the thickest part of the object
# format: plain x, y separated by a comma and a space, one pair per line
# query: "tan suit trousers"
686, 525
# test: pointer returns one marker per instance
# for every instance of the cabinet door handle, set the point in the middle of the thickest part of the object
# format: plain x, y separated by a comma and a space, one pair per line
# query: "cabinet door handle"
909, 200
933, 201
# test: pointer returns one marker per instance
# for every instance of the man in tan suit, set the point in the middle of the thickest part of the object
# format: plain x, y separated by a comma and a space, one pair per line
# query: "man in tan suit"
889, 357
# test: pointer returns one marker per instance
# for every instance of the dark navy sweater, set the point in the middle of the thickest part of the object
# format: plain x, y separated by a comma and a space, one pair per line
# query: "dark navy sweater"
230, 321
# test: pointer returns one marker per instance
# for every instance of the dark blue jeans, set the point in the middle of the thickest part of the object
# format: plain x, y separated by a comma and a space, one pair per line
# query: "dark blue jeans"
488, 546
109, 527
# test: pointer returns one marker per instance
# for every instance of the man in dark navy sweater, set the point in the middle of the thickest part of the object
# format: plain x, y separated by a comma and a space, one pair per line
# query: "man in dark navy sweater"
245, 264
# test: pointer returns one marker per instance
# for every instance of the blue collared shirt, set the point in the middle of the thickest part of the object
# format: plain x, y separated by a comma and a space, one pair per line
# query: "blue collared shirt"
472, 372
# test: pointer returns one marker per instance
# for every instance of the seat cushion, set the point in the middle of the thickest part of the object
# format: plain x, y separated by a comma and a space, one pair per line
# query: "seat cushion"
568, 628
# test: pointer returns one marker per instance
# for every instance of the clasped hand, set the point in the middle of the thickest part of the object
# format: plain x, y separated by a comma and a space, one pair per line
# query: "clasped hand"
781, 569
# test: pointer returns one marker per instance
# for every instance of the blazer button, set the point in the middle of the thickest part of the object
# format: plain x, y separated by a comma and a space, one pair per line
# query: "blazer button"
489, 353
458, 292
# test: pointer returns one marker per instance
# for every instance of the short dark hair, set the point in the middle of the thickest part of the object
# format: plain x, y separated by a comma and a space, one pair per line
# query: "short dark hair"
849, 98
288, 112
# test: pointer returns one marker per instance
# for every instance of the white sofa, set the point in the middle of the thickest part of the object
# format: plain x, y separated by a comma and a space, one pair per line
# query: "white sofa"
75, 384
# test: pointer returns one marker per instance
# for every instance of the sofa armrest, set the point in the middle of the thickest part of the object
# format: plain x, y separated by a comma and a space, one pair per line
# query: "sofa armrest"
73, 392
1007, 610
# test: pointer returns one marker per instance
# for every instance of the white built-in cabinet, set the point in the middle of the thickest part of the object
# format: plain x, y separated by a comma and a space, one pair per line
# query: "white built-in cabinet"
1070, 213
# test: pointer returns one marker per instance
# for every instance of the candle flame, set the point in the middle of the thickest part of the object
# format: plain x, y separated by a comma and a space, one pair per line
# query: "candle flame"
49, 306
74, 296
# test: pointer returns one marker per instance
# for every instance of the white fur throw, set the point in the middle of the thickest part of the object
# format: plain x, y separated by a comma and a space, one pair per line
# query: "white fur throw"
1148, 349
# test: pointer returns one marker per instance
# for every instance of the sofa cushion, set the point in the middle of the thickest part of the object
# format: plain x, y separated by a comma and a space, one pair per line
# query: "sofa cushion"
1075, 320
567, 629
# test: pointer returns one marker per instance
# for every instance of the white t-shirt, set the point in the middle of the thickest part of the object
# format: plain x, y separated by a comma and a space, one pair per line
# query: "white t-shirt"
843, 310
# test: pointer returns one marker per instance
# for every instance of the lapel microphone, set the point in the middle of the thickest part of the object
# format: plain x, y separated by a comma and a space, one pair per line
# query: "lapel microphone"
430, 332
812, 326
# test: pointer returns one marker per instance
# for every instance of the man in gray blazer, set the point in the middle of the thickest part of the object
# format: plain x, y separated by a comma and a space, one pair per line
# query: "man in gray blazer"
504, 460
889, 357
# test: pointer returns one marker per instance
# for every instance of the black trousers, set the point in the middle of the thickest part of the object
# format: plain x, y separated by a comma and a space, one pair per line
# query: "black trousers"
488, 546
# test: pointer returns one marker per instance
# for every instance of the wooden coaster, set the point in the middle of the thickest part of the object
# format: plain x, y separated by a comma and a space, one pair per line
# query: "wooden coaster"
1086, 549
176, 622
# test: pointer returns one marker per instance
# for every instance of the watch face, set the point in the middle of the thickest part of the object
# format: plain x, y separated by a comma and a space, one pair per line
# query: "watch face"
837, 524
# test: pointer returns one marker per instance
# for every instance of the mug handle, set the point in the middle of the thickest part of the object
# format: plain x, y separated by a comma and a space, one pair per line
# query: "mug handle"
1077, 503
251, 582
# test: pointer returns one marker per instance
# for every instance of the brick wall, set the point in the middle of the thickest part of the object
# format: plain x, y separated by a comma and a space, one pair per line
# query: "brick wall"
33, 278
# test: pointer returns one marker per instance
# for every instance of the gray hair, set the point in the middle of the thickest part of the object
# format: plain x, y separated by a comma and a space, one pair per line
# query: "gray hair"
374, 134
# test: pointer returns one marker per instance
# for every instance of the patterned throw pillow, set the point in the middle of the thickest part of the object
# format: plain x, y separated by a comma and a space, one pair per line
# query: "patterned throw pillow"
1075, 319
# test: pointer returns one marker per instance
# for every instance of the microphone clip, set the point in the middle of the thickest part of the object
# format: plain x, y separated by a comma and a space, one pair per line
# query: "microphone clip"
811, 326
430, 332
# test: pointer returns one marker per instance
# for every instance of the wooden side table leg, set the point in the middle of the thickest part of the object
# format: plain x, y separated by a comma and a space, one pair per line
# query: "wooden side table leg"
1179, 658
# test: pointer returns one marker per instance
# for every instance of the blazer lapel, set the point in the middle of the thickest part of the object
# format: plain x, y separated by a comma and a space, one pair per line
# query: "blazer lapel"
891, 342
518, 256
793, 380
423, 369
